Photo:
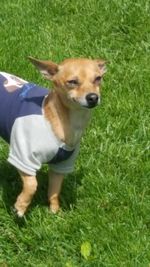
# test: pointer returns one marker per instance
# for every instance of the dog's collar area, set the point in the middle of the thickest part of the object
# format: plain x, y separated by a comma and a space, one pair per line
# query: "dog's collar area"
61, 155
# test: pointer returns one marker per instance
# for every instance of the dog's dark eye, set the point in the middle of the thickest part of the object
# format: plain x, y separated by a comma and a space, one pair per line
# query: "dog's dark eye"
72, 82
97, 79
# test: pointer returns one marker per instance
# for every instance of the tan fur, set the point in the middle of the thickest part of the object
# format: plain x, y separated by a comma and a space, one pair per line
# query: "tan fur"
65, 109
25, 197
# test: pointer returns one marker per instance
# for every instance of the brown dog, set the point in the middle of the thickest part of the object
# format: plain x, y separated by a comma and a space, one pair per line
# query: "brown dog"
67, 109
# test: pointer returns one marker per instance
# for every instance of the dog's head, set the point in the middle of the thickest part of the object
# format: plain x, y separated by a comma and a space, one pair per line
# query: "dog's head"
77, 81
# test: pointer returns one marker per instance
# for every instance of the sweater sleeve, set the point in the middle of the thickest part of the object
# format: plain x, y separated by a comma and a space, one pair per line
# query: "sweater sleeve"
24, 143
66, 166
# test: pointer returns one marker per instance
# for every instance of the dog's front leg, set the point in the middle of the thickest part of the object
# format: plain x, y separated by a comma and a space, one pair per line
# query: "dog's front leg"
55, 183
25, 197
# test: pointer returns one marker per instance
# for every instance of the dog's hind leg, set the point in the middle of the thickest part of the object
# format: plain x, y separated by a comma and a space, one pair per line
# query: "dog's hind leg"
25, 197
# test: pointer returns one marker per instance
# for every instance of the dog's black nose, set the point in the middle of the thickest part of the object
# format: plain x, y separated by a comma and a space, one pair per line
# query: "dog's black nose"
92, 99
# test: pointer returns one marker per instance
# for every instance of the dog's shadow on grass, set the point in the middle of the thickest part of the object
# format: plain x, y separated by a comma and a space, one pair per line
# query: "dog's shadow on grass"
10, 187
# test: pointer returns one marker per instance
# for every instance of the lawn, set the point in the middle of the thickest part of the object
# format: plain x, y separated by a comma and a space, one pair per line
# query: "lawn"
105, 217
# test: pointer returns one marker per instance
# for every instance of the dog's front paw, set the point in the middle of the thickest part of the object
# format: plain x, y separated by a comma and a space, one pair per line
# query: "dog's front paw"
19, 213
19, 210
54, 205
54, 208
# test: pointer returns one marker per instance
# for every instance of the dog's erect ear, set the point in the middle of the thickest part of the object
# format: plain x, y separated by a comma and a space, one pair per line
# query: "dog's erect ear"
46, 67
102, 65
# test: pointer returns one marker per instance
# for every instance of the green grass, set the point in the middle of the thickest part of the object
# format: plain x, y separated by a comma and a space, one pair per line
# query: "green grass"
106, 201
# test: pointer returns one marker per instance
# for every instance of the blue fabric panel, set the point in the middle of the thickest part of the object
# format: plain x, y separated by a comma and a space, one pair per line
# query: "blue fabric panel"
21, 102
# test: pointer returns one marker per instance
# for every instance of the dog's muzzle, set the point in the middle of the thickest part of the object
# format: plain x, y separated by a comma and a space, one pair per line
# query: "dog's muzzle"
92, 100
